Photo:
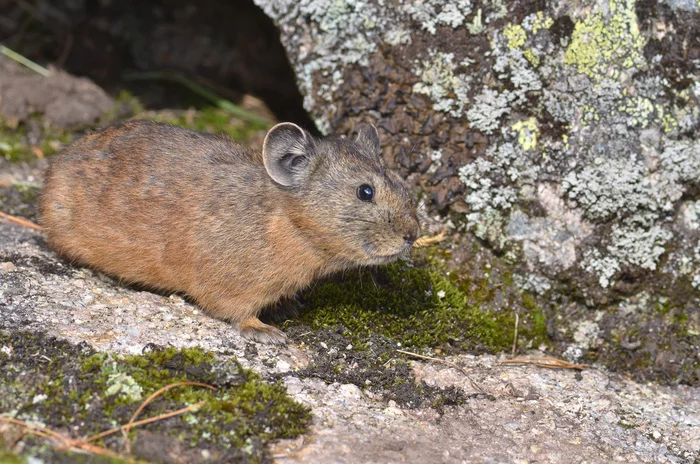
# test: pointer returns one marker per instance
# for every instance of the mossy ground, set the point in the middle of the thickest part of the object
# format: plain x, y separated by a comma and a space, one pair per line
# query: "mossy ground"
208, 119
355, 323
79, 392
28, 141
420, 306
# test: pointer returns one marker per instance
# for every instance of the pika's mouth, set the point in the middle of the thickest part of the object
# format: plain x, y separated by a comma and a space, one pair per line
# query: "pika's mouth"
390, 258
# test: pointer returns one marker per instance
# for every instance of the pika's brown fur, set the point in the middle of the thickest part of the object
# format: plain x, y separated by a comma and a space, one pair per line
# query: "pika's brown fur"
234, 229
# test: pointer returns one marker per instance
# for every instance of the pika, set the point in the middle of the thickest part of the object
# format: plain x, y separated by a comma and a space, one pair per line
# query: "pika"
233, 228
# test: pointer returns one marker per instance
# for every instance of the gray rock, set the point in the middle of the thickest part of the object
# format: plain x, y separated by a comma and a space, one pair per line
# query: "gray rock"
518, 413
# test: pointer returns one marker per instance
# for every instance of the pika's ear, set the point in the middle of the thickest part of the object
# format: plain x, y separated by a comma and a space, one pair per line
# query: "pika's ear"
368, 138
286, 153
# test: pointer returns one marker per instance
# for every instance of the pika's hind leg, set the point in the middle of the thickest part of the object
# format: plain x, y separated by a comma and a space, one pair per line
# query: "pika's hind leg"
253, 329
245, 313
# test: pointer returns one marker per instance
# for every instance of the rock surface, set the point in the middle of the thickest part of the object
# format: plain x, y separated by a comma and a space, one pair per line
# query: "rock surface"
565, 139
64, 100
564, 135
517, 414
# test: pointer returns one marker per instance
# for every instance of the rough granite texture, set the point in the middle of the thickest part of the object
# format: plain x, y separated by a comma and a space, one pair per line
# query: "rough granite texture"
521, 414
565, 136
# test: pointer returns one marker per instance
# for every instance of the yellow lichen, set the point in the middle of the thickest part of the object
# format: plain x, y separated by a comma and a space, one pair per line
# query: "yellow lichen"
527, 133
515, 34
542, 22
599, 44
532, 56
668, 123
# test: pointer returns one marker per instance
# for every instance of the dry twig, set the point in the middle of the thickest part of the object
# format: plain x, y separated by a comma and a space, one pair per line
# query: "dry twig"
548, 362
428, 240
144, 422
60, 440
515, 335
125, 429
474, 385
19, 221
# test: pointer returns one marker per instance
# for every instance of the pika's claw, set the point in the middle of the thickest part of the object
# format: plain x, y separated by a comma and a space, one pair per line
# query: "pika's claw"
253, 329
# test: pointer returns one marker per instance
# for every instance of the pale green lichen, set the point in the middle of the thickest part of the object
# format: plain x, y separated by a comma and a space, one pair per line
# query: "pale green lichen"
682, 157
619, 188
120, 383
609, 180
630, 246
488, 192
398, 36
431, 13
609, 104
538, 22
606, 45
605, 267
335, 33
488, 108
637, 198
586, 334
499, 10
517, 35
638, 246
532, 56
441, 79
477, 26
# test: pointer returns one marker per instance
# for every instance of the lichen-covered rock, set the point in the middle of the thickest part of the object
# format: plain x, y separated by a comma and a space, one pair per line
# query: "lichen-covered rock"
564, 135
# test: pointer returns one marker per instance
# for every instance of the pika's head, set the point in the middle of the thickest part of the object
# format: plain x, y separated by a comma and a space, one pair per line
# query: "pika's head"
340, 194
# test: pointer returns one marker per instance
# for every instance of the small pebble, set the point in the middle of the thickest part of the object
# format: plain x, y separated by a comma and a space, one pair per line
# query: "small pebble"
7, 267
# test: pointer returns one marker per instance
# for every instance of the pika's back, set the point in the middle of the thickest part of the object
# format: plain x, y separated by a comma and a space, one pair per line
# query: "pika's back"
144, 183
155, 145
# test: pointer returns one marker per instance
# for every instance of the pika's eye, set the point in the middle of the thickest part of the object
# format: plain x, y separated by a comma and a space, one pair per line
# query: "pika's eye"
365, 192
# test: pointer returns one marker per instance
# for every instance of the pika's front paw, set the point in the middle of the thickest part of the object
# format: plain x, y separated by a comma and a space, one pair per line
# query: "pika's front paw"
253, 329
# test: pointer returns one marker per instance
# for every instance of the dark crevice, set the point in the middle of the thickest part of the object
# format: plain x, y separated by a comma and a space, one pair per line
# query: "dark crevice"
231, 47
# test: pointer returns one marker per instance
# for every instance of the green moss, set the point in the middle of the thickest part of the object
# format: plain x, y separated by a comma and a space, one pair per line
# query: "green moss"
414, 306
17, 145
125, 105
7, 457
89, 392
209, 119
535, 321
